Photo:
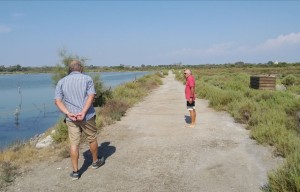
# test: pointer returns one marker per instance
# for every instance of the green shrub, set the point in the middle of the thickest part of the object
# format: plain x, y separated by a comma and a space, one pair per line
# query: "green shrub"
61, 132
294, 89
8, 172
132, 92
114, 109
287, 177
238, 82
102, 94
242, 110
221, 99
289, 80
128, 93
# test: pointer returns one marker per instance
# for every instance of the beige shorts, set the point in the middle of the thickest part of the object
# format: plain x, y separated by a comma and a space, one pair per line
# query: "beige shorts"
75, 130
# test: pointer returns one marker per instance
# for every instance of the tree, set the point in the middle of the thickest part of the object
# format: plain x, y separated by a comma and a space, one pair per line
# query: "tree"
239, 63
2, 68
62, 69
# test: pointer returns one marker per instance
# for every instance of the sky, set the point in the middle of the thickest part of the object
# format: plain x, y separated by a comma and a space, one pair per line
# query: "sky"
110, 33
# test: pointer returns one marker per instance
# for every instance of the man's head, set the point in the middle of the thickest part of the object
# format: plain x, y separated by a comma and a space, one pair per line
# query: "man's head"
75, 65
187, 72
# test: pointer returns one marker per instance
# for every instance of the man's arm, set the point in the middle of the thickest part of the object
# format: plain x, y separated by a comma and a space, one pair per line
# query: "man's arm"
192, 92
87, 105
192, 95
62, 108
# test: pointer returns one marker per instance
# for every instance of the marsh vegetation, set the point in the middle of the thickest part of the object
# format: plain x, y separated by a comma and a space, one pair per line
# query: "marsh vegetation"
273, 117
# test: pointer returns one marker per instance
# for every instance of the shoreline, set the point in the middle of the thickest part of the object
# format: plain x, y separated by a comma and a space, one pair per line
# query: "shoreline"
9, 118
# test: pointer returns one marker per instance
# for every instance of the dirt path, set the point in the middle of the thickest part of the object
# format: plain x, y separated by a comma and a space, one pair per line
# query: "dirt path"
151, 150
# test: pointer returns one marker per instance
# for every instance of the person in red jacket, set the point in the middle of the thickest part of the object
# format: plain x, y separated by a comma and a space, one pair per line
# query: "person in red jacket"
190, 96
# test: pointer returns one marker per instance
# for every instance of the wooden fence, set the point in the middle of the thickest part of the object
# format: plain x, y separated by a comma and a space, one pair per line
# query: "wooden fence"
263, 82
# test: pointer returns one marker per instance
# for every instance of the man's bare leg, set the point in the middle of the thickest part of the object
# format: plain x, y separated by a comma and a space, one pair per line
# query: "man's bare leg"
94, 150
194, 117
74, 153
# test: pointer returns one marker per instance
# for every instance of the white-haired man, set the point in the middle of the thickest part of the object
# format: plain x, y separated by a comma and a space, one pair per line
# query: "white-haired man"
190, 96
74, 95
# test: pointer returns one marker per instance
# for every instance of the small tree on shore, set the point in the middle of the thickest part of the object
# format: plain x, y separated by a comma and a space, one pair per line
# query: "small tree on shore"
62, 69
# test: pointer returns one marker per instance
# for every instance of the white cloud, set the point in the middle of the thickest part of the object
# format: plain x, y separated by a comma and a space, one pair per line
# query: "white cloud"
5, 29
280, 42
283, 45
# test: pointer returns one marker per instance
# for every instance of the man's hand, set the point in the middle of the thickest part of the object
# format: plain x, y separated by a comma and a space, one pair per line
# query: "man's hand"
190, 101
72, 116
80, 116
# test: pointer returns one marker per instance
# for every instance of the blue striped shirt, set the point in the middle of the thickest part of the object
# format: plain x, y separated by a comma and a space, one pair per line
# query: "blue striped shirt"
74, 90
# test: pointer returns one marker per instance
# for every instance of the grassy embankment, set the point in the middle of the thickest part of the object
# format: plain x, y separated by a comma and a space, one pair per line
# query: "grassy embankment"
271, 116
14, 159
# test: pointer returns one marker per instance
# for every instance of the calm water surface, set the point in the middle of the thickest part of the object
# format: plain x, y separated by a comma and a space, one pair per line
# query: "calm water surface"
27, 105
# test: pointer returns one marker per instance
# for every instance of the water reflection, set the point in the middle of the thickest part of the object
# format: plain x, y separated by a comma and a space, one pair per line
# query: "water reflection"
18, 109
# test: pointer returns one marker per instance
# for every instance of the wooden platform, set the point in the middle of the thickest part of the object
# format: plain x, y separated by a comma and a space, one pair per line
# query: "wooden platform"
263, 82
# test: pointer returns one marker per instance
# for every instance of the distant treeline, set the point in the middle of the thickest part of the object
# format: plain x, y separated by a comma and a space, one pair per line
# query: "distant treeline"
122, 67
19, 68
49, 69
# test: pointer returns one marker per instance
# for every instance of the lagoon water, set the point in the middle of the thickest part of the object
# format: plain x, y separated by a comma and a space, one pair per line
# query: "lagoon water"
27, 106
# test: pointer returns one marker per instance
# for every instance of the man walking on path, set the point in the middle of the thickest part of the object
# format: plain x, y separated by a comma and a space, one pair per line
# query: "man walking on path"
190, 96
74, 95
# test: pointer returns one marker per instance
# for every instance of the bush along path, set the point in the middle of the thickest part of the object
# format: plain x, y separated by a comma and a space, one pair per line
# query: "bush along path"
151, 150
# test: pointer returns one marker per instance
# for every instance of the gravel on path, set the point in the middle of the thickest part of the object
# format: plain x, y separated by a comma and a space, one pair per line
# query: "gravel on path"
150, 150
